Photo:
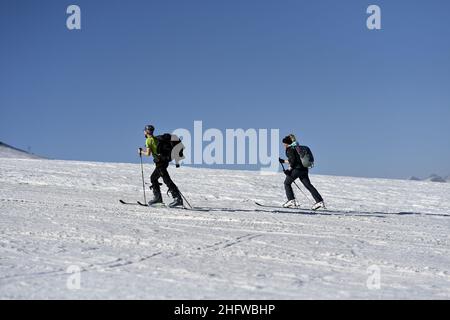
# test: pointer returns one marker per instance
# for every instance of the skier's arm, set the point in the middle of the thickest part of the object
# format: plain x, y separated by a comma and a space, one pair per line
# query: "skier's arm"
147, 152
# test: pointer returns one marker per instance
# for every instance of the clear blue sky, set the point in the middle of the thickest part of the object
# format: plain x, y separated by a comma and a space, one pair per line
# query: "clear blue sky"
369, 103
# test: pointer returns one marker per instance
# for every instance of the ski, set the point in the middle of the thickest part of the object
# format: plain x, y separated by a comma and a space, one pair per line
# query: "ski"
128, 203
321, 210
195, 209
278, 207
142, 204
162, 205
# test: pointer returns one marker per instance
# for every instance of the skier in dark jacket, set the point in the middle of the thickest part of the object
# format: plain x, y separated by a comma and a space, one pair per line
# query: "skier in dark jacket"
297, 170
160, 171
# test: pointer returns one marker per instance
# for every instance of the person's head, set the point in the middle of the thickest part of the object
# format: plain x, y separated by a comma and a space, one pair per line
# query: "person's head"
287, 141
148, 130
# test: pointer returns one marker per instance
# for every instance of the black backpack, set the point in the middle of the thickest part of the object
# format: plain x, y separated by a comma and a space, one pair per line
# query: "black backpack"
306, 156
169, 147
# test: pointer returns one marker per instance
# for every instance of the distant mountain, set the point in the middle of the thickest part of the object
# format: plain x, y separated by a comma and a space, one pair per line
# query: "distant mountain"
7, 151
432, 178
435, 178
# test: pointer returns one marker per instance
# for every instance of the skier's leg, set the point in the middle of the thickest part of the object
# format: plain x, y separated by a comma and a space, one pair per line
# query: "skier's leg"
288, 183
157, 197
166, 177
173, 189
291, 203
154, 178
288, 188
304, 178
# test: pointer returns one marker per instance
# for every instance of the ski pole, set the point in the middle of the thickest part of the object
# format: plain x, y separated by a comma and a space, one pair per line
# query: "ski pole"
142, 172
284, 170
185, 199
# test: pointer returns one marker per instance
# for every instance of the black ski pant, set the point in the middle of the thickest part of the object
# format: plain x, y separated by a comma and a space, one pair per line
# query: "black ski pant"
304, 178
161, 172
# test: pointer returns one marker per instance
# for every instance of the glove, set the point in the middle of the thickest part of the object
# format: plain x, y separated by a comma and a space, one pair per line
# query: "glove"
281, 160
140, 151
177, 165
287, 172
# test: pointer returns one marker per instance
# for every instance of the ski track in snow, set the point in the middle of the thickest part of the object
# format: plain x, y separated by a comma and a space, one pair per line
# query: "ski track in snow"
54, 214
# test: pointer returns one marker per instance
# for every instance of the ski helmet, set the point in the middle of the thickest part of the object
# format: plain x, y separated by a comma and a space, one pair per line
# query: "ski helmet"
287, 140
149, 128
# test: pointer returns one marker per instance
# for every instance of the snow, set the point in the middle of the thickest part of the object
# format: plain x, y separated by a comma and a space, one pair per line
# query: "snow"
57, 214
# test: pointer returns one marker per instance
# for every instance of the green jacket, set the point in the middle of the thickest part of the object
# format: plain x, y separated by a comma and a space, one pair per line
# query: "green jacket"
151, 143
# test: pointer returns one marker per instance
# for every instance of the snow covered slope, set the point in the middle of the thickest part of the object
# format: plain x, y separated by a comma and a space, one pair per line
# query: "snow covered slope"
7, 151
56, 214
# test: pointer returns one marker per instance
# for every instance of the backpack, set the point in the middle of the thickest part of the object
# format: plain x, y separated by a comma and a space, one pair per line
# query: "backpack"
169, 147
306, 156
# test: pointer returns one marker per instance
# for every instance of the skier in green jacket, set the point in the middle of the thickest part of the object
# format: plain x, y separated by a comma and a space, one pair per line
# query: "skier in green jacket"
151, 144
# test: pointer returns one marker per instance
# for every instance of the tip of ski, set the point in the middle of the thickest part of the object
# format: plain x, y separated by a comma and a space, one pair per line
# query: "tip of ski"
137, 203
128, 203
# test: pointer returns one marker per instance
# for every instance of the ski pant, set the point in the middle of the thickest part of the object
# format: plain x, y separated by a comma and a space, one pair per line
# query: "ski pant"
304, 178
161, 172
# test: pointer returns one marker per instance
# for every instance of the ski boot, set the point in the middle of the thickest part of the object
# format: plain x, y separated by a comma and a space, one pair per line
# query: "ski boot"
290, 204
157, 197
177, 199
318, 205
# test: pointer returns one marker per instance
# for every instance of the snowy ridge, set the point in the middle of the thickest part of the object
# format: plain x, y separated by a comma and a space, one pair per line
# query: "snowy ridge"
54, 214
432, 178
7, 151
435, 178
